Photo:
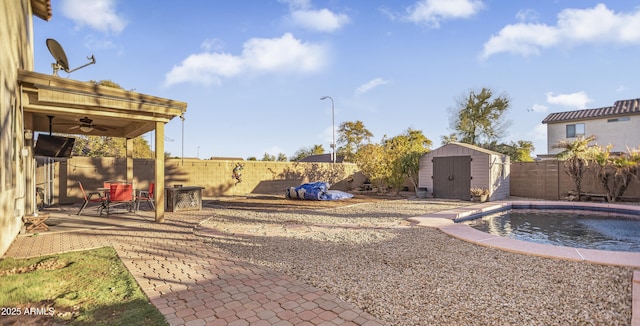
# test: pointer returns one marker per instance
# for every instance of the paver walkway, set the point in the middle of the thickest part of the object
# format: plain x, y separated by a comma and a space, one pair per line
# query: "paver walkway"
192, 283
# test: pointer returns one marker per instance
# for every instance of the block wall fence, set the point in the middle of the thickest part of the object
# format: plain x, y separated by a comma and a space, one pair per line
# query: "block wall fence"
547, 180
541, 180
216, 176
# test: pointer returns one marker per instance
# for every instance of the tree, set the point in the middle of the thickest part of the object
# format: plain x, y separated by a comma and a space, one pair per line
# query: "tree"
576, 155
107, 83
479, 118
105, 146
351, 136
451, 138
615, 172
371, 161
519, 151
282, 157
307, 151
403, 154
391, 162
268, 157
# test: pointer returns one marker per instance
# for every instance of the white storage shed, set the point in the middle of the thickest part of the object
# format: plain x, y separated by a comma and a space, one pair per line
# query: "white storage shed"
453, 169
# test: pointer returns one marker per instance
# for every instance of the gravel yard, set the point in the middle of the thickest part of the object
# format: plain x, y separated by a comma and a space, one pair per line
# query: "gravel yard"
366, 252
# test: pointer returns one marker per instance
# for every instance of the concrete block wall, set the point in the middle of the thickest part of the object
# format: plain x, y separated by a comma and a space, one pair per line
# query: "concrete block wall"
547, 179
216, 176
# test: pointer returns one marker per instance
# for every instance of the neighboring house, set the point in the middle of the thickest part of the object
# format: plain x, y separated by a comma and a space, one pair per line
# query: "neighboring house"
322, 158
618, 125
31, 101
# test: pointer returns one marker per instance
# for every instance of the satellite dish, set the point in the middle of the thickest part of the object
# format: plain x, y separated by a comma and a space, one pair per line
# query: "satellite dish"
61, 58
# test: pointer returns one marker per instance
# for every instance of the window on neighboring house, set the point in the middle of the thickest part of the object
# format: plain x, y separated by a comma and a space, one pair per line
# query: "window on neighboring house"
575, 130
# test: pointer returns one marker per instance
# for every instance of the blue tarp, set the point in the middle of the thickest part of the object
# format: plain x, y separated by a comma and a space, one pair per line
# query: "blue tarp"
316, 191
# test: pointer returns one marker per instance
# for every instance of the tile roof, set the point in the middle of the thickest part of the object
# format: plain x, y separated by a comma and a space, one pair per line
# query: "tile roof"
624, 107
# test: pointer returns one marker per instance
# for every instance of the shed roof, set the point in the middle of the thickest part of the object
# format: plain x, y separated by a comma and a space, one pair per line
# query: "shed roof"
623, 107
469, 146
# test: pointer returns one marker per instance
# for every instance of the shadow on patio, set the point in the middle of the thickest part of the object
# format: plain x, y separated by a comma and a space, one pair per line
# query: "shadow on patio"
63, 218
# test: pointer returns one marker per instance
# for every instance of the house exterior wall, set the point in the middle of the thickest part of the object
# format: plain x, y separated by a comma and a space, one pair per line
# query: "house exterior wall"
621, 134
16, 53
486, 169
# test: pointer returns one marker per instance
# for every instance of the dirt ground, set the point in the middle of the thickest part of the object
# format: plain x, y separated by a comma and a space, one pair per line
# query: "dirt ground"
281, 203
278, 216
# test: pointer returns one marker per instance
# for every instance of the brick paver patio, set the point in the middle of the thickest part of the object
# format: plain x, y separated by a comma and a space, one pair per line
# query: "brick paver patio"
192, 283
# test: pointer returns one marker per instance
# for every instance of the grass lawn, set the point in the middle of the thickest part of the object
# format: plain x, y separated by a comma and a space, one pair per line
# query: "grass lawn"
76, 288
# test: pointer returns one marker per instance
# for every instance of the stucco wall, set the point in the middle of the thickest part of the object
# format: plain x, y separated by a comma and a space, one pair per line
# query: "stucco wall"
15, 53
215, 176
621, 134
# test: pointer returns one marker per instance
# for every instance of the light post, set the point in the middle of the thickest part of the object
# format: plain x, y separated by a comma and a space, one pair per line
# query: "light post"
333, 130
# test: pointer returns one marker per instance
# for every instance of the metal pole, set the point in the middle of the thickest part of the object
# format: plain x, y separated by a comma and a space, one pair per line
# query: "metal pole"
182, 147
333, 129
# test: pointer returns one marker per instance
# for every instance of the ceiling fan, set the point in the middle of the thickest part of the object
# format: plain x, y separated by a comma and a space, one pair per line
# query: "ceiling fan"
86, 125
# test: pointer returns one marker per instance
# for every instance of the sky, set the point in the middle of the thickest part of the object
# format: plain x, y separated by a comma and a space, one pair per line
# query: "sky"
253, 72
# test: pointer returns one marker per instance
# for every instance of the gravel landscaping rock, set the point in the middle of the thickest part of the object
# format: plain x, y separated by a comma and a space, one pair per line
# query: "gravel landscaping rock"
369, 254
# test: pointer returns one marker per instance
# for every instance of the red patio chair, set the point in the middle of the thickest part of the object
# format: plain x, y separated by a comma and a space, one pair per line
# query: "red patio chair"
146, 195
120, 194
92, 197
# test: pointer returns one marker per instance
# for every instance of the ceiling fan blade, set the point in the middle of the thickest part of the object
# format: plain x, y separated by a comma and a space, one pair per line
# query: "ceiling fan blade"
74, 127
99, 128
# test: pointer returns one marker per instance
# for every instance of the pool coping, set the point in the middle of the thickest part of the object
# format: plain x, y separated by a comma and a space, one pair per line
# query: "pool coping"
445, 221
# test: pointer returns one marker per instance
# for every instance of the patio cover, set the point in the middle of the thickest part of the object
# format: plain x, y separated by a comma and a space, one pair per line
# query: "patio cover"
121, 113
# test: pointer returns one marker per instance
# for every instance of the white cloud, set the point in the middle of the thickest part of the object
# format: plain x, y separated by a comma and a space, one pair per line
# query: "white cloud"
212, 44
97, 14
526, 15
323, 20
326, 137
431, 12
574, 26
539, 133
98, 44
539, 108
319, 20
622, 88
370, 85
297, 4
576, 100
259, 55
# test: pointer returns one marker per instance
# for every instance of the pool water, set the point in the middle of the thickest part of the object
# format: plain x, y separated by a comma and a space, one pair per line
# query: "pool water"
579, 229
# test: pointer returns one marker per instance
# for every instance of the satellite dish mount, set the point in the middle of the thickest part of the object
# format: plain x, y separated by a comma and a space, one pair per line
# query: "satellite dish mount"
61, 58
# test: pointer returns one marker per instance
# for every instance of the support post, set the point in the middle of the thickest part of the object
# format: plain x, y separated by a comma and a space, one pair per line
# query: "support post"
129, 163
159, 172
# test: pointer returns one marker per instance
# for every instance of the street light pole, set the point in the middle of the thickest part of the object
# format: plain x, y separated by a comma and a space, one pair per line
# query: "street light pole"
333, 129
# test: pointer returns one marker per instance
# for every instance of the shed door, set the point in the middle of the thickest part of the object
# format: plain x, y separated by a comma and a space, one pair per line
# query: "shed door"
452, 177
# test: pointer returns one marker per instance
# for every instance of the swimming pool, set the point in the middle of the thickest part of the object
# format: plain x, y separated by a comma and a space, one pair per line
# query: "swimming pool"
613, 231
